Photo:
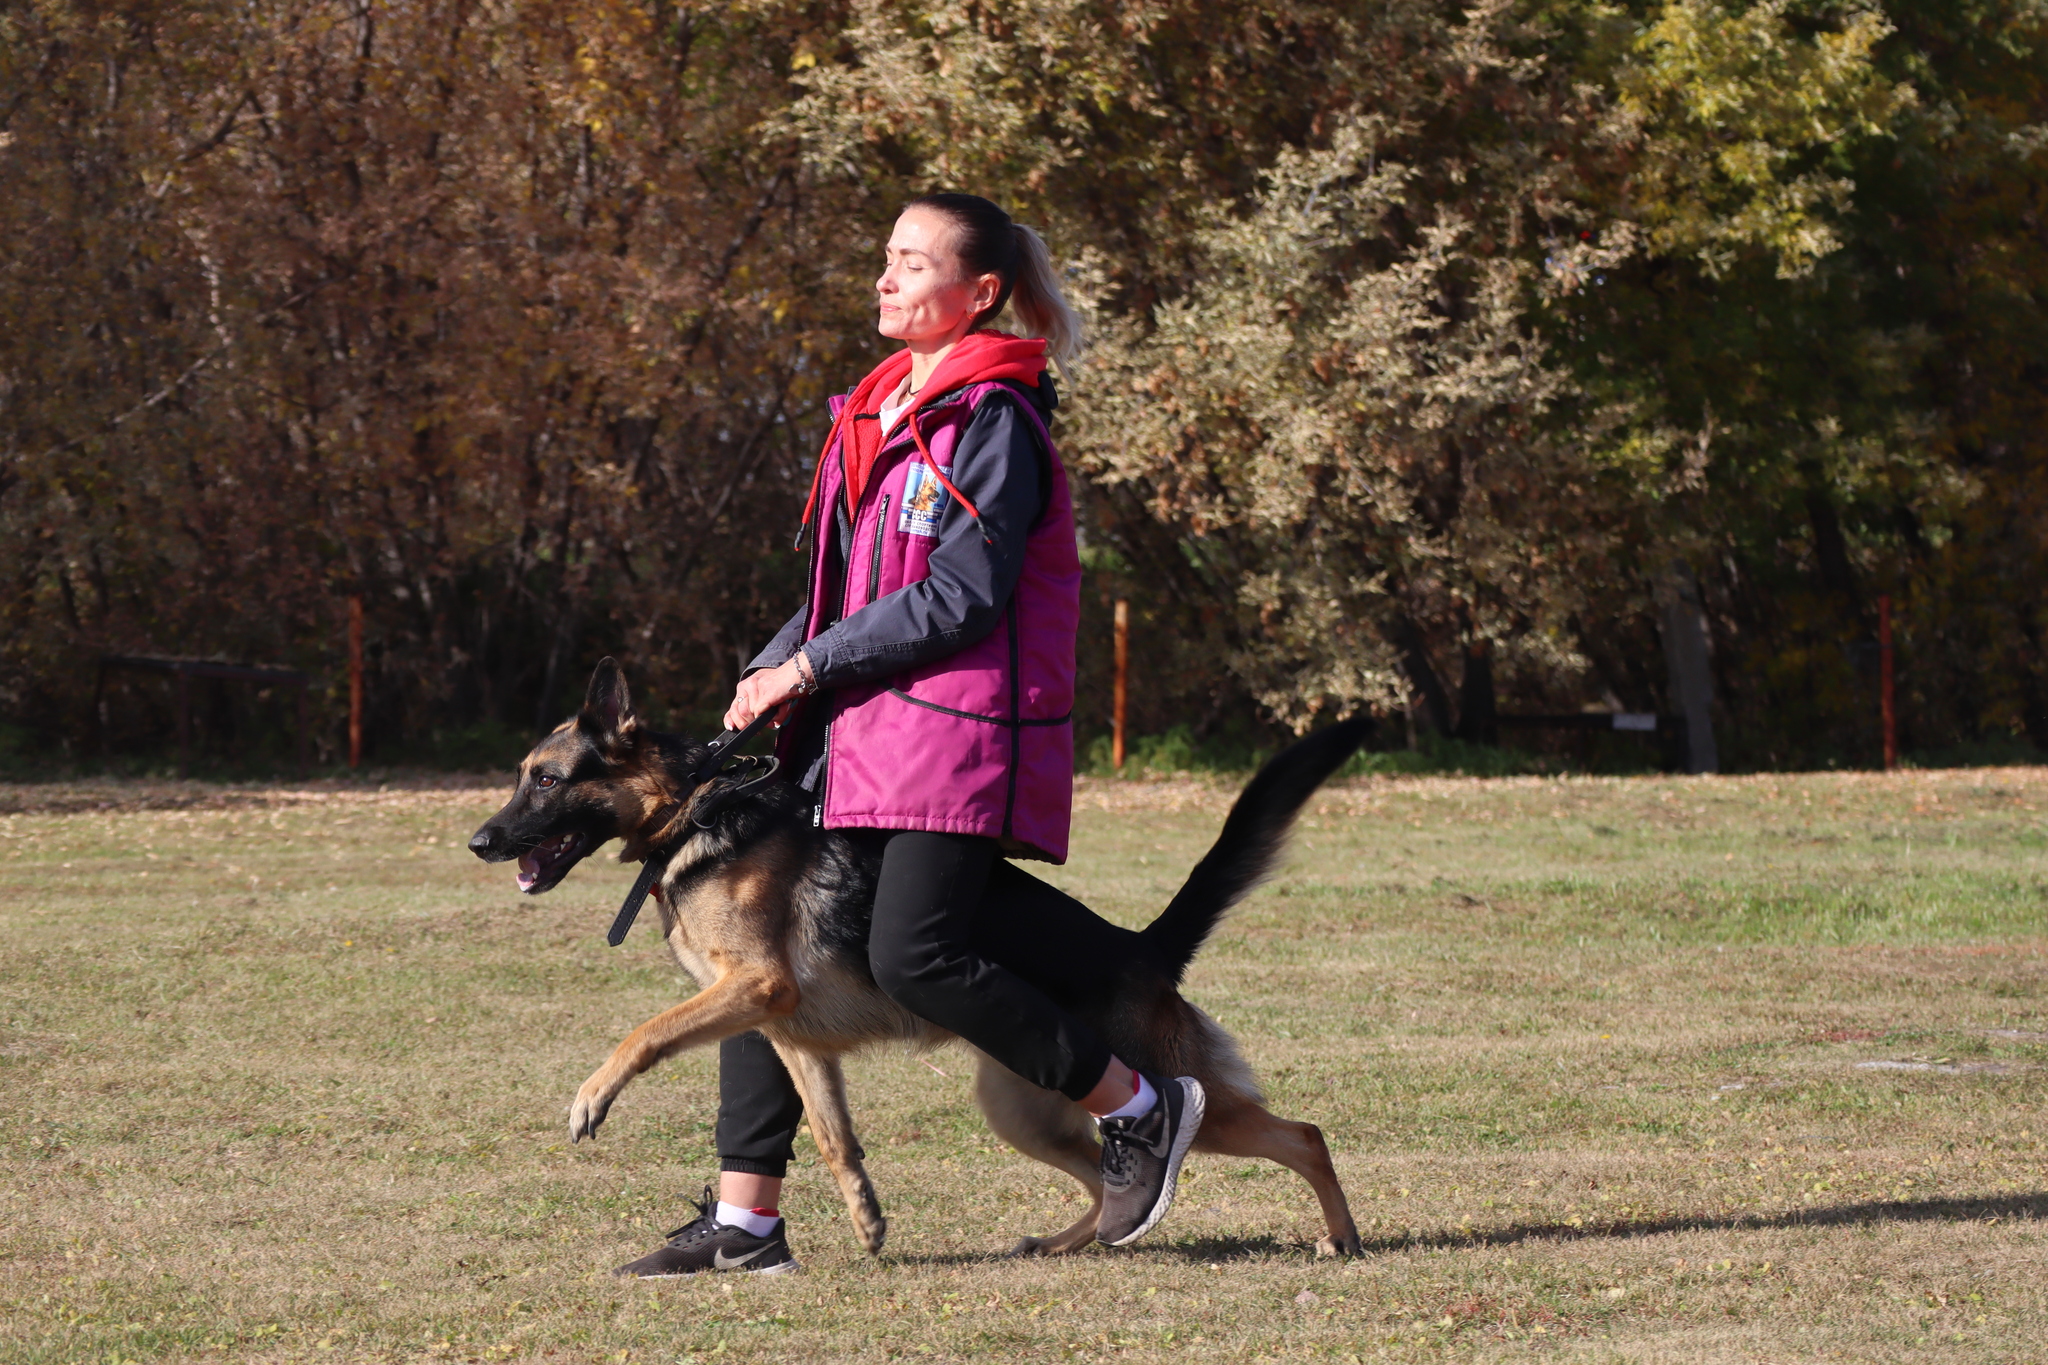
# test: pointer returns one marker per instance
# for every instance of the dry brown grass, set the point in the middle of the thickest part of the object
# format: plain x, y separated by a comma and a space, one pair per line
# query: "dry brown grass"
286, 1071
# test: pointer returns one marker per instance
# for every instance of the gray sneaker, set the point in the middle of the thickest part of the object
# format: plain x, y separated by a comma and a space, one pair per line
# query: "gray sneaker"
704, 1244
1141, 1160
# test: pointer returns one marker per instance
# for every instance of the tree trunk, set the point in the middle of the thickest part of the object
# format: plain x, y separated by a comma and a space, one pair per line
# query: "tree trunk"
1477, 715
1688, 660
1422, 675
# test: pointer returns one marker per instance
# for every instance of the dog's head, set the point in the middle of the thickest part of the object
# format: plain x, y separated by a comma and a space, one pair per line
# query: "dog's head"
595, 778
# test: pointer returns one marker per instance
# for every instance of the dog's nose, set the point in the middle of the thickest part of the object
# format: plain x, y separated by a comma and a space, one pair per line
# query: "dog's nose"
483, 841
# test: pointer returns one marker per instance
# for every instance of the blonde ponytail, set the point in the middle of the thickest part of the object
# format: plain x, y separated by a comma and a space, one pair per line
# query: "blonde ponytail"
1040, 305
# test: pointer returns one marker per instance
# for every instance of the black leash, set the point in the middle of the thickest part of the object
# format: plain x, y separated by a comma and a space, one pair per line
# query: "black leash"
642, 884
722, 747
714, 762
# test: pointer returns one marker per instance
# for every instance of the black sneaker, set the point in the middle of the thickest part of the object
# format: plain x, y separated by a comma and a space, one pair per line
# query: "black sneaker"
707, 1244
1141, 1160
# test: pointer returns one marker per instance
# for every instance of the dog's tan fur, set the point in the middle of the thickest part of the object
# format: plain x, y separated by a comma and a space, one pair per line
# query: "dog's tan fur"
737, 920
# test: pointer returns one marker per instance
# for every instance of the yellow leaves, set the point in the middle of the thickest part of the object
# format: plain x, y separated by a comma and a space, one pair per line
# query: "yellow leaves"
1732, 107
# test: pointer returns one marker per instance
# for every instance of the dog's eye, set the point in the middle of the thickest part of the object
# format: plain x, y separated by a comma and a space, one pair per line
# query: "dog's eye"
544, 781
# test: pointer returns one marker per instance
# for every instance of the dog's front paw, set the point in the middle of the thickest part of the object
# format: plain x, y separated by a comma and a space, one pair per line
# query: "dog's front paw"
593, 1102
1347, 1245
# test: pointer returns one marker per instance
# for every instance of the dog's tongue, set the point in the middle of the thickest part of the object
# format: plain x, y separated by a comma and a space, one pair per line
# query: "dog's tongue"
529, 871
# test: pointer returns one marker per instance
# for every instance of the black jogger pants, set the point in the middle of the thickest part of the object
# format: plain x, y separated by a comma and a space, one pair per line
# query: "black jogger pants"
921, 950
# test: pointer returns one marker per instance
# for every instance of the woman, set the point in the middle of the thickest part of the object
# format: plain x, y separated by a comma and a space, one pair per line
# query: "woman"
927, 687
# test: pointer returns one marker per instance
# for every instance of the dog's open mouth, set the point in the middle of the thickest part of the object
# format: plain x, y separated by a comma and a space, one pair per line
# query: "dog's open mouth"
541, 866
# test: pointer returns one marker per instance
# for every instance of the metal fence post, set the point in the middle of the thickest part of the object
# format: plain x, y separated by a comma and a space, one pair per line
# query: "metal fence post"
1123, 665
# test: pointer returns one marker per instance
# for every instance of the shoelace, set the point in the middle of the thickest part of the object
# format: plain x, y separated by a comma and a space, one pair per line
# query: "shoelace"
1116, 1162
703, 1225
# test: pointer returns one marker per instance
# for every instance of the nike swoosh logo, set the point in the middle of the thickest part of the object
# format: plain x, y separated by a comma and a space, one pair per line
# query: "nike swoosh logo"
721, 1261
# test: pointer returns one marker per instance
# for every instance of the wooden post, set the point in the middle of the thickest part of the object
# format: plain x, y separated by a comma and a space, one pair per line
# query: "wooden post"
355, 681
1123, 670
1884, 682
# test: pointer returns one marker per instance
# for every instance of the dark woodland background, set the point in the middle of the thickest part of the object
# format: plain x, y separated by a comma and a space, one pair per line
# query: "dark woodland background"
1436, 346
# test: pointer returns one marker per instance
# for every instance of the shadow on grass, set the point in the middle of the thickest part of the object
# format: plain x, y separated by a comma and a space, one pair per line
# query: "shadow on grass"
1216, 1250
1956, 1210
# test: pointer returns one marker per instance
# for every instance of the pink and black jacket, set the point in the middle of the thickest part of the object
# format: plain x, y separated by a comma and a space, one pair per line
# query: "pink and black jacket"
941, 621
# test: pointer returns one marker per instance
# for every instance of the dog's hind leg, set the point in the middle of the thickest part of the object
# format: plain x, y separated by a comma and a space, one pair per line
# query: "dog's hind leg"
822, 1084
1045, 1126
1237, 1125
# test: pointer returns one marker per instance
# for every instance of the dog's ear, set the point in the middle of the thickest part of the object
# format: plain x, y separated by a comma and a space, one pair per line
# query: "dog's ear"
607, 714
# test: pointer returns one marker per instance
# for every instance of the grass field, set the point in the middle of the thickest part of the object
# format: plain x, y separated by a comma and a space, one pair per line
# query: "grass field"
1616, 1069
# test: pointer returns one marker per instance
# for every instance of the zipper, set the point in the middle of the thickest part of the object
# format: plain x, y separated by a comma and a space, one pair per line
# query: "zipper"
1016, 719
818, 554
874, 581
875, 558
824, 778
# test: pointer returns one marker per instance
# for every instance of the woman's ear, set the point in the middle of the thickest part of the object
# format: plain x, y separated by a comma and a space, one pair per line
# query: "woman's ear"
987, 289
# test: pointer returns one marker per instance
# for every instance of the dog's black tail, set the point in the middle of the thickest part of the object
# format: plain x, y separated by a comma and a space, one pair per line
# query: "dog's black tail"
1244, 854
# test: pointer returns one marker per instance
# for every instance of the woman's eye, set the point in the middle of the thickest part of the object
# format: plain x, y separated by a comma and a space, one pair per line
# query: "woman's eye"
544, 781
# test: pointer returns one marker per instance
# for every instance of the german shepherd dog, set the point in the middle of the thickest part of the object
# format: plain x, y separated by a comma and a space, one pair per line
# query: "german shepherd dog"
771, 916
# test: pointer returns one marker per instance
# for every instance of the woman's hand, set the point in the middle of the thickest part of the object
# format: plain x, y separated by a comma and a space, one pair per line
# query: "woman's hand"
761, 693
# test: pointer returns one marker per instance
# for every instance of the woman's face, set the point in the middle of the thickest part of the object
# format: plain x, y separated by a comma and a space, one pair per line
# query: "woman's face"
925, 295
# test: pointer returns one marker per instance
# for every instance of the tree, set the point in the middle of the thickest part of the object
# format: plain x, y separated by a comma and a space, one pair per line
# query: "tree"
1430, 336
507, 319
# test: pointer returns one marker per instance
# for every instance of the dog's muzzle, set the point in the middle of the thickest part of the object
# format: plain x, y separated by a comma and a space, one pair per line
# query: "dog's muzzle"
490, 844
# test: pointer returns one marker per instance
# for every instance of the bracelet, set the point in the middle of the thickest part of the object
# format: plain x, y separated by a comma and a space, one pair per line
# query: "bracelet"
806, 680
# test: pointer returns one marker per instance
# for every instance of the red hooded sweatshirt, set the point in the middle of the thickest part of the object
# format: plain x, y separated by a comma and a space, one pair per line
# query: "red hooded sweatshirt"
977, 358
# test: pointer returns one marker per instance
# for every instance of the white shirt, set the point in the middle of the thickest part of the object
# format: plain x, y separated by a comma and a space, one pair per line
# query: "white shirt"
894, 406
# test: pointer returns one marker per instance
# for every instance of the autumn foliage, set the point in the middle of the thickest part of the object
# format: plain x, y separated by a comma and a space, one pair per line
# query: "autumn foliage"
1425, 335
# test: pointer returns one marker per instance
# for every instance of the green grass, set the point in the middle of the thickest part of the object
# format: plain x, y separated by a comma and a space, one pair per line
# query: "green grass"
1233, 757
286, 1070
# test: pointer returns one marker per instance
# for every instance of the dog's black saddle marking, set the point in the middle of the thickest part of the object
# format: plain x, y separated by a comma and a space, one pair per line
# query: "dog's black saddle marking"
714, 762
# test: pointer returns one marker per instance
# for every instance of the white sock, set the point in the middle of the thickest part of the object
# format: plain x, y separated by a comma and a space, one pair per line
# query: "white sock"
1140, 1105
760, 1224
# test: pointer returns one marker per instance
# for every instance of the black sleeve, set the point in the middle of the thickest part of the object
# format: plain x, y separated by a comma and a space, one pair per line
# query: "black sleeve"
999, 467
782, 646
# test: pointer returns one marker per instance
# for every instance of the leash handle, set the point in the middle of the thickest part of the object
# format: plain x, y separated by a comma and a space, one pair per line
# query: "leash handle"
715, 757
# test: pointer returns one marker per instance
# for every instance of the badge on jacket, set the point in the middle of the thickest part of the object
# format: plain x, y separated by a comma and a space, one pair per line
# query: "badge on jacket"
924, 501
